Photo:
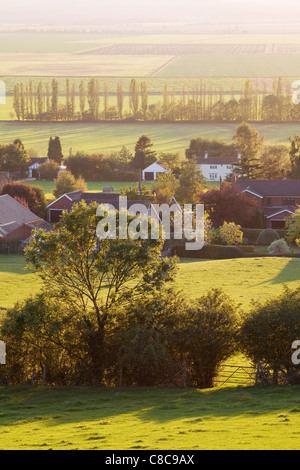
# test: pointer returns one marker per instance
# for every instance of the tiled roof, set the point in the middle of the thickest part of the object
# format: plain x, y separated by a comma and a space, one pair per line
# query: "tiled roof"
269, 188
12, 211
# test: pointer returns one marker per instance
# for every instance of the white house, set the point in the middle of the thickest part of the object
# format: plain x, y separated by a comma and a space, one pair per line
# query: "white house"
34, 164
216, 168
150, 173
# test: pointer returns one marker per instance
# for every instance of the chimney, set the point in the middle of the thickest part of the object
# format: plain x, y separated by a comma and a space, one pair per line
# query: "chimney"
206, 155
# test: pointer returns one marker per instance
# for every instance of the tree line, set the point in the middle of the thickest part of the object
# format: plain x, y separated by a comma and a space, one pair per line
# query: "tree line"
92, 101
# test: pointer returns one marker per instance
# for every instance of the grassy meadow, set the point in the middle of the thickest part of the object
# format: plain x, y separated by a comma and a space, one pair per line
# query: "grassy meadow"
106, 137
135, 419
243, 279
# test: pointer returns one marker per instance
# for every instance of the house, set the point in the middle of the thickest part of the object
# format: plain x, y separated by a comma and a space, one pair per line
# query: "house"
66, 202
34, 164
4, 179
150, 173
277, 199
18, 221
216, 168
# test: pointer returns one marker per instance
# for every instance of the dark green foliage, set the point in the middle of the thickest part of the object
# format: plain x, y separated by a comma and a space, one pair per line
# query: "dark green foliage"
55, 150
267, 236
211, 252
215, 148
268, 331
208, 336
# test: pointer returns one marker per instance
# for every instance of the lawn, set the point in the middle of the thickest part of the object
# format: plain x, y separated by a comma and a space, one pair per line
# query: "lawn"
92, 186
243, 279
155, 419
106, 137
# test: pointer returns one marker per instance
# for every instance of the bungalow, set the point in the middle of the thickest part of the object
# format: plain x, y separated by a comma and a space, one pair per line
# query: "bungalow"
17, 221
277, 199
216, 168
66, 202
150, 173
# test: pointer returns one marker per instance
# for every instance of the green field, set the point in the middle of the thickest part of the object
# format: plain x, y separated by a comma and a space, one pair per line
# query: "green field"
134, 419
239, 65
107, 137
243, 279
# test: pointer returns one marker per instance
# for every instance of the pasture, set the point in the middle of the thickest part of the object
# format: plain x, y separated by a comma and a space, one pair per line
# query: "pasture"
106, 137
243, 279
239, 418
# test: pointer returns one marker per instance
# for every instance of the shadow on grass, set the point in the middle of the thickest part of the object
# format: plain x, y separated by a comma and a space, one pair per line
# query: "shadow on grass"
57, 406
290, 273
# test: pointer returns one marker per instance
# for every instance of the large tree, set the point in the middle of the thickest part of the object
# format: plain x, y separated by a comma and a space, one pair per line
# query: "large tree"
229, 204
14, 159
250, 146
295, 157
145, 144
96, 278
55, 150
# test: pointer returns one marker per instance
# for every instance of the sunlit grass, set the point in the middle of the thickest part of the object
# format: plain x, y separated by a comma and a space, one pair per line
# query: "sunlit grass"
156, 419
243, 279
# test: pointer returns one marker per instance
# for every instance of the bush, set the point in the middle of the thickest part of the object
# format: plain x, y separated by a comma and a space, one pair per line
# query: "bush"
207, 336
247, 248
267, 236
228, 234
211, 252
251, 234
269, 330
279, 247
48, 171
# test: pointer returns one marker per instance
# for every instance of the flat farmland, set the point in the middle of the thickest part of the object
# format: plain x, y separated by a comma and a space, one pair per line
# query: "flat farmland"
105, 137
233, 65
63, 64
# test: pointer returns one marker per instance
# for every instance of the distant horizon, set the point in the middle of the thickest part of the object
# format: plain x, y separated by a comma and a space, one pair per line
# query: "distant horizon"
94, 12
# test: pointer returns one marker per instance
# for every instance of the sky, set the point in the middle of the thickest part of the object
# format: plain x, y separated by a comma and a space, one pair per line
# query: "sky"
76, 12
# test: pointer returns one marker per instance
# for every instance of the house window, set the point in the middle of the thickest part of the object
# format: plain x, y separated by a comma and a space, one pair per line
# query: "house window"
288, 201
213, 176
213, 167
229, 167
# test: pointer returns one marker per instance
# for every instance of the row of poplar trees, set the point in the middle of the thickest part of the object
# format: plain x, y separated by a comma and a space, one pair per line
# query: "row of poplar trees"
90, 100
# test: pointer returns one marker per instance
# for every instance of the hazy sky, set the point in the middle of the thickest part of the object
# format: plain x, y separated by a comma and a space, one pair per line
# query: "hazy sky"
58, 12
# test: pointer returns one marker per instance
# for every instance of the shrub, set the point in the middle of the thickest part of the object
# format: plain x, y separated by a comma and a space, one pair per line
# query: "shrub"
207, 336
211, 252
48, 171
269, 329
293, 233
279, 247
267, 236
247, 248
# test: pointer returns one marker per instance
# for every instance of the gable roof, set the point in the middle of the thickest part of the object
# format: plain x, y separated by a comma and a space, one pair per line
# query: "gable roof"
15, 217
155, 165
13, 214
271, 188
